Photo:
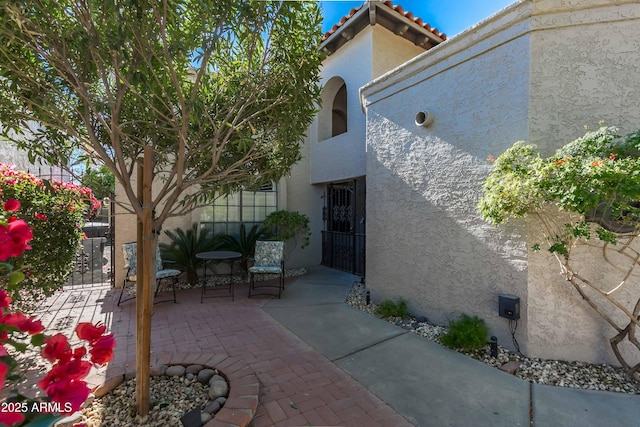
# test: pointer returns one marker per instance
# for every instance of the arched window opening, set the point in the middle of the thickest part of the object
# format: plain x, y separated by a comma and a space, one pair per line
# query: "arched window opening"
339, 112
332, 117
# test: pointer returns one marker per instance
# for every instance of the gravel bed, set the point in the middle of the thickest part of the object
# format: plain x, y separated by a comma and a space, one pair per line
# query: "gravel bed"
538, 371
170, 398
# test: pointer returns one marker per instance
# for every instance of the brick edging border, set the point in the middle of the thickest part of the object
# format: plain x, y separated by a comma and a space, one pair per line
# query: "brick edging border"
244, 387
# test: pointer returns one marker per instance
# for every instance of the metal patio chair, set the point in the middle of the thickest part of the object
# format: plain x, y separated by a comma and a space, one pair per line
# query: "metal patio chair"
268, 259
129, 252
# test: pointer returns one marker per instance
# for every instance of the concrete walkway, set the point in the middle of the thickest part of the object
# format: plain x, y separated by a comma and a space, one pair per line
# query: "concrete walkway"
428, 384
322, 363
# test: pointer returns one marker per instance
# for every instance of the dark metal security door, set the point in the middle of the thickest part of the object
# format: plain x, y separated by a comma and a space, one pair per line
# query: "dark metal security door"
343, 238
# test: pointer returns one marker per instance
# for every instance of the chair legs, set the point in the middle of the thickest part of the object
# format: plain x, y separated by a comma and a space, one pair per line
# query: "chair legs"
280, 286
173, 286
124, 285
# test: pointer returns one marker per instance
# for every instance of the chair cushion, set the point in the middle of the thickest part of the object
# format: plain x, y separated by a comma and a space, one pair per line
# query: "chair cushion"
269, 253
162, 274
264, 269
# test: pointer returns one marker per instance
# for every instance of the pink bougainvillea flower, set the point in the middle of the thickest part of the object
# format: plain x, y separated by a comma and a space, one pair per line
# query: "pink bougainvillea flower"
79, 352
23, 323
89, 332
70, 391
5, 299
3, 372
11, 205
10, 418
14, 238
56, 348
102, 350
41, 217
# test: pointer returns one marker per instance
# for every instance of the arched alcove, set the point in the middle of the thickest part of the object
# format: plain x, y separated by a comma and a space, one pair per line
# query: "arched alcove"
333, 116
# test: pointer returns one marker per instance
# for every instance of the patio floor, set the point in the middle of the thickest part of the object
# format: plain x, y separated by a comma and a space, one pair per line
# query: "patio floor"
298, 385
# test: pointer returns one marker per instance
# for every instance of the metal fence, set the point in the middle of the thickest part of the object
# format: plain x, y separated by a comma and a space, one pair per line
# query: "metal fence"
94, 261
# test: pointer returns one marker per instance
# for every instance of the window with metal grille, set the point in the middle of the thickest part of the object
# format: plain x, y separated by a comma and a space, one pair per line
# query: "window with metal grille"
243, 207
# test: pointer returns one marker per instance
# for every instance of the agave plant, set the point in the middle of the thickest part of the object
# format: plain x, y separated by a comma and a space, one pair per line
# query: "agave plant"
184, 246
245, 243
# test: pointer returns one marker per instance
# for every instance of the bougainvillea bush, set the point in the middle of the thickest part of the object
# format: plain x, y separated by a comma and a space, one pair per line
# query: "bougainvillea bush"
586, 195
64, 383
55, 212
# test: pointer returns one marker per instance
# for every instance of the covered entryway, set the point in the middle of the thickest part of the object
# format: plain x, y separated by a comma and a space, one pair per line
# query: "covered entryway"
343, 238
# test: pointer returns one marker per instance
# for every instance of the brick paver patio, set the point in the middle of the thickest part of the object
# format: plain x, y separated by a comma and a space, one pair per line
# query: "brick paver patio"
298, 386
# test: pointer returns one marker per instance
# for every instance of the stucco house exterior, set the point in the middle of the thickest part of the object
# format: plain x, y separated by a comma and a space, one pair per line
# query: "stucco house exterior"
538, 71
394, 162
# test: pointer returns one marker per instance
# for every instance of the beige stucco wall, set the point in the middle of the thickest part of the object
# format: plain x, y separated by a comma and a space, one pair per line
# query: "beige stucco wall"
537, 71
390, 51
425, 242
343, 156
371, 53
126, 226
583, 69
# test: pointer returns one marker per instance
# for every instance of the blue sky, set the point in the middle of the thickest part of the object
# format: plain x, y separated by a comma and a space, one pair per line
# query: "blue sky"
448, 16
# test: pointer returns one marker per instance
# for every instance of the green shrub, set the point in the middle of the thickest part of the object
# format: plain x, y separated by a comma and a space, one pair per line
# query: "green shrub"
55, 211
389, 308
285, 225
181, 251
245, 242
467, 333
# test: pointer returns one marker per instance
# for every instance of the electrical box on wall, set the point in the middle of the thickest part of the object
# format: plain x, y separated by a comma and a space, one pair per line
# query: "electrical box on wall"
509, 306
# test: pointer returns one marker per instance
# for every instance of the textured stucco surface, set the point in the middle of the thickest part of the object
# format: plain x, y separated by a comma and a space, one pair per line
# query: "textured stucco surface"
573, 84
425, 242
343, 156
537, 71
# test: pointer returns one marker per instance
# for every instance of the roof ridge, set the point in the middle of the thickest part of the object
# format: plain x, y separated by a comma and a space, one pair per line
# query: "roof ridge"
417, 20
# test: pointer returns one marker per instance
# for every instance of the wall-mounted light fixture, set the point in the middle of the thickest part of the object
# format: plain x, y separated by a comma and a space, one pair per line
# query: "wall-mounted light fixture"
424, 118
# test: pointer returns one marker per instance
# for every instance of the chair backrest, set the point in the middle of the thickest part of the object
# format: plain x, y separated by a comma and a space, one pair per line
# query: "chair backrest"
269, 253
129, 251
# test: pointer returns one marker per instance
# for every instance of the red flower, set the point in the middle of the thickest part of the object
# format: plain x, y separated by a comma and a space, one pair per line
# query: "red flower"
3, 373
5, 299
14, 238
41, 217
89, 332
69, 391
102, 350
56, 348
79, 352
10, 418
11, 205
23, 323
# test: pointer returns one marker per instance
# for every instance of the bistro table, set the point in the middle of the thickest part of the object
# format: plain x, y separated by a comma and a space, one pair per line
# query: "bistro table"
218, 257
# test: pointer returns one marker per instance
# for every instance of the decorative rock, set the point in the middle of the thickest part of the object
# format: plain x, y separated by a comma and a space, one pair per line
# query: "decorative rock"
212, 408
158, 370
205, 417
205, 375
221, 400
70, 420
192, 418
129, 375
510, 367
175, 371
218, 389
421, 319
190, 376
194, 369
108, 386
215, 378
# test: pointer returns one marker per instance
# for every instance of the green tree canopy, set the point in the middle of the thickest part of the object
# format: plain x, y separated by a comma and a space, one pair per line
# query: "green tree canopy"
217, 94
223, 90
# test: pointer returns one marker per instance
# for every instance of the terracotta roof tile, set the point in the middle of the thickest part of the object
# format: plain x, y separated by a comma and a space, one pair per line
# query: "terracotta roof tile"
390, 5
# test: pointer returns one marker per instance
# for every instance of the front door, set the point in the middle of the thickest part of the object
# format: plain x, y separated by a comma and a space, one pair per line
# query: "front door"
343, 238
